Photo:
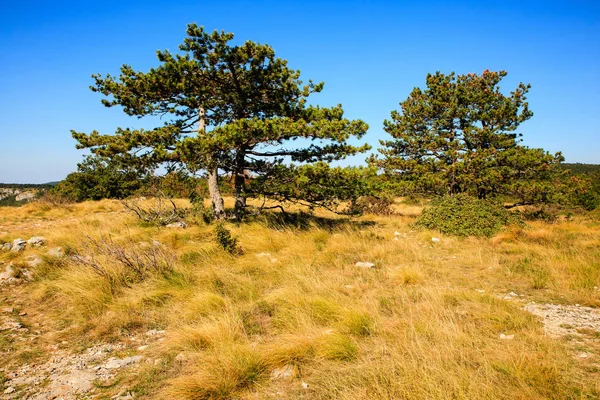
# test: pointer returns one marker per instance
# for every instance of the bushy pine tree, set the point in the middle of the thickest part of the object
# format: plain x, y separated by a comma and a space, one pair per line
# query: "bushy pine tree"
459, 135
234, 109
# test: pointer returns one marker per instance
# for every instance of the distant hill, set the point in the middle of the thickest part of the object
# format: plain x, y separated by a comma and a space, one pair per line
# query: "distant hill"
16, 194
47, 185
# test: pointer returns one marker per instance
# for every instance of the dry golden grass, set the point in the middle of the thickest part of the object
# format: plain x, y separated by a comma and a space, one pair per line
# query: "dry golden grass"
423, 324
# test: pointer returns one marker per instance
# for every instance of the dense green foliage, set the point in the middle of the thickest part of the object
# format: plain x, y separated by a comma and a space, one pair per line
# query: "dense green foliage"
226, 241
465, 215
459, 136
317, 185
584, 184
100, 178
229, 108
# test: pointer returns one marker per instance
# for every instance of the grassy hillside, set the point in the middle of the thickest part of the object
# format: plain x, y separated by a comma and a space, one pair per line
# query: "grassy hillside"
294, 317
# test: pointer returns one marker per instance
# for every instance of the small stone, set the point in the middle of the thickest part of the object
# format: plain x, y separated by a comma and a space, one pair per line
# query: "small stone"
396, 233
142, 348
179, 224
9, 390
285, 372
506, 337
22, 314
435, 240
180, 357
584, 355
348, 287
480, 290
361, 264
33, 261
154, 332
8, 274
267, 255
56, 252
8, 310
304, 385
18, 245
114, 363
36, 241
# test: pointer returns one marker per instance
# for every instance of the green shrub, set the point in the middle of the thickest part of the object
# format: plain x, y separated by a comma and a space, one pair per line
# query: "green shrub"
546, 214
464, 215
589, 200
226, 241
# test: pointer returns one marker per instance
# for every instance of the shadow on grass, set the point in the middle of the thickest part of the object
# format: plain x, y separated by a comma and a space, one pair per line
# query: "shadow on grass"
303, 221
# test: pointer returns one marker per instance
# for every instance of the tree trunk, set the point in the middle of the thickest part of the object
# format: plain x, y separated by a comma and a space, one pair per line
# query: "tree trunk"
216, 198
240, 184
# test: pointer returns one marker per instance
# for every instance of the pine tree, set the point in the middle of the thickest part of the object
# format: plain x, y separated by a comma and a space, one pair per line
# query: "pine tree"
233, 109
459, 135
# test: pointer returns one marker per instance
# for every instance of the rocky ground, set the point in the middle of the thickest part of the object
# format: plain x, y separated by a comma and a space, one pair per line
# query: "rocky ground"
67, 374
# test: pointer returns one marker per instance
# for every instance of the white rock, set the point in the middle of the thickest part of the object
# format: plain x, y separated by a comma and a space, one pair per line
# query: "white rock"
304, 385
510, 295
27, 195
285, 372
480, 290
142, 348
8, 274
154, 332
36, 241
56, 252
267, 255
18, 245
9, 390
77, 381
33, 261
114, 363
506, 337
396, 233
127, 396
179, 224
435, 240
361, 264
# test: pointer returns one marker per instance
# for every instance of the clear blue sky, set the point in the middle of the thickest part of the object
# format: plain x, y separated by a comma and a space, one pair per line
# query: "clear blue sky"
370, 54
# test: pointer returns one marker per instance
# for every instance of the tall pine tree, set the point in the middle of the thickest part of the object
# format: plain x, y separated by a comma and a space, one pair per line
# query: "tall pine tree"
459, 135
234, 109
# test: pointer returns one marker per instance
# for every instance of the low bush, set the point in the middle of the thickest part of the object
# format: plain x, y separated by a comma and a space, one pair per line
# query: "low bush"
546, 214
589, 200
122, 265
464, 215
226, 241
